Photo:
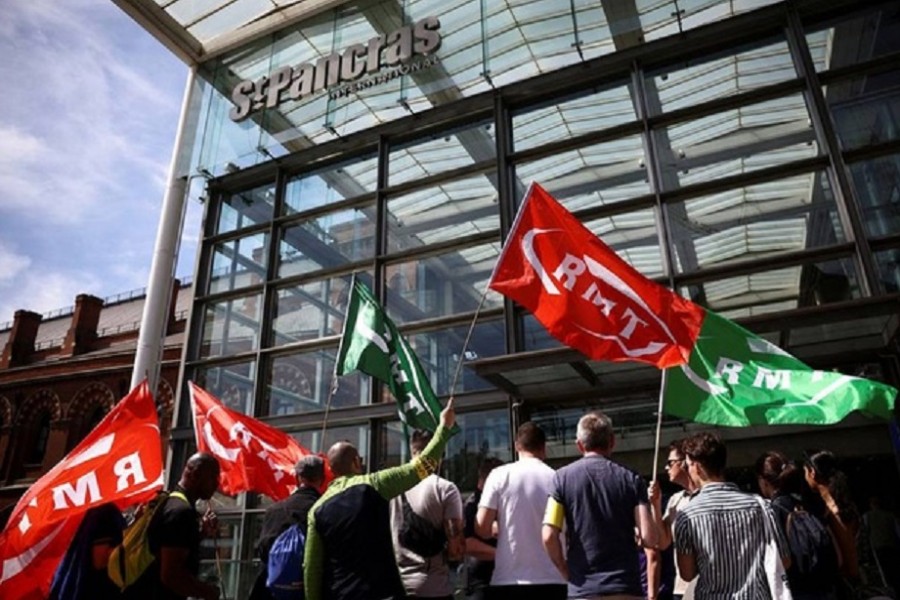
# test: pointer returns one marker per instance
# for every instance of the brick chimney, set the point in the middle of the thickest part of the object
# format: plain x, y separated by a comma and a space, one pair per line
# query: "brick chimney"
83, 330
20, 345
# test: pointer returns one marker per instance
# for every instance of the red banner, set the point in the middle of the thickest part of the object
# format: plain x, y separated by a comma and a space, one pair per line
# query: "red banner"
585, 295
120, 461
252, 456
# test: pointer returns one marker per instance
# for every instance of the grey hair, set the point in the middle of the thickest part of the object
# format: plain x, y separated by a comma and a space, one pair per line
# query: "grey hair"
595, 431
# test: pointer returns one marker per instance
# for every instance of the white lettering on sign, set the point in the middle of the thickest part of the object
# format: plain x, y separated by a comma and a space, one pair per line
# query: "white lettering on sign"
86, 489
129, 467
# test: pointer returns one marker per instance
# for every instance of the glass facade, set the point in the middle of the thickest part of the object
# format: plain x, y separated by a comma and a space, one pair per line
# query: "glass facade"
751, 162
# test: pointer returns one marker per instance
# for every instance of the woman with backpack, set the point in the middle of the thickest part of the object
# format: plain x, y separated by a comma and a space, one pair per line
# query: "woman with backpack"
813, 573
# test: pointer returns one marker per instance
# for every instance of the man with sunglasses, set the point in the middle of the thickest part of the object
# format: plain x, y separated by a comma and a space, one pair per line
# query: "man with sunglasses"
677, 471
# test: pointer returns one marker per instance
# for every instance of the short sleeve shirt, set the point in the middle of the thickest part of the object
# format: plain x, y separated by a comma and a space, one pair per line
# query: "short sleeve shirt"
175, 525
599, 497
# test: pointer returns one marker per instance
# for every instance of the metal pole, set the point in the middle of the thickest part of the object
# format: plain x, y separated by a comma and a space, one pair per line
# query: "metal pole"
165, 254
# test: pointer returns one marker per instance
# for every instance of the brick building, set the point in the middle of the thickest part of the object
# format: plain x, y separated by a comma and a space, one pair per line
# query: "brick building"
61, 372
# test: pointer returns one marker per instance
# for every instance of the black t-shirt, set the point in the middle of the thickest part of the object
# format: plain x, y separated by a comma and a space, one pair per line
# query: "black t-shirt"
175, 525
480, 571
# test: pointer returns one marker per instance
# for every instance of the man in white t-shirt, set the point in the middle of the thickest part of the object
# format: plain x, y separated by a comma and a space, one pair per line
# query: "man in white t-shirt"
676, 468
514, 497
438, 501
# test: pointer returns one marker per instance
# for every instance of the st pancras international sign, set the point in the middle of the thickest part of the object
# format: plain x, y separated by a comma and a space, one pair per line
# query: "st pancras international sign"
355, 68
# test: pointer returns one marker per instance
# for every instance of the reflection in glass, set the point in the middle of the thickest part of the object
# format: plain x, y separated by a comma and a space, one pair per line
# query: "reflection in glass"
720, 77
753, 222
239, 263
443, 153
439, 354
633, 236
232, 384
442, 285
243, 209
482, 435
786, 288
741, 140
302, 382
595, 175
856, 39
866, 110
444, 212
332, 185
231, 326
877, 183
888, 264
327, 241
310, 310
358, 435
571, 118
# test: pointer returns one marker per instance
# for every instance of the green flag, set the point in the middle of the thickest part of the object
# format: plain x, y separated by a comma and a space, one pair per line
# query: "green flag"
735, 378
372, 344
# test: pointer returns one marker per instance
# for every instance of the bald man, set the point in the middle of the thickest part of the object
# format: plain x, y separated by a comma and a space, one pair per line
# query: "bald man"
349, 550
174, 536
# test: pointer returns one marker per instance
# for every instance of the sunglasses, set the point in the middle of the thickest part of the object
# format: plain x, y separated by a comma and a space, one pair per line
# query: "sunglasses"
673, 461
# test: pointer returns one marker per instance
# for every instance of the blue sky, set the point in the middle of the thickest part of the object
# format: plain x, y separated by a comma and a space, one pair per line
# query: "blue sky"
88, 114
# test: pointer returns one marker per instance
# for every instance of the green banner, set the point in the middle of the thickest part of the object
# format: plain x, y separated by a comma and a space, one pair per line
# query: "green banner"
735, 378
372, 344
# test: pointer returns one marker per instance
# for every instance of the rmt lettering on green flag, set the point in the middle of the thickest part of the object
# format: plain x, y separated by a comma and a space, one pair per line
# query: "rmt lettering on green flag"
735, 378
371, 343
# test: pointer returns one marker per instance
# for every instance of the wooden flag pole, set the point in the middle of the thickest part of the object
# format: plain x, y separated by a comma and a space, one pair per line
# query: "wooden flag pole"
659, 414
462, 354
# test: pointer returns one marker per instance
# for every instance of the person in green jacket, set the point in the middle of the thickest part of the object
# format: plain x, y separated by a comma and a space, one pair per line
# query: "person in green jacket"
349, 553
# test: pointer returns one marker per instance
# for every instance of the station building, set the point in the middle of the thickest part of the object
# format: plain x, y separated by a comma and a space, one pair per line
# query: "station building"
745, 153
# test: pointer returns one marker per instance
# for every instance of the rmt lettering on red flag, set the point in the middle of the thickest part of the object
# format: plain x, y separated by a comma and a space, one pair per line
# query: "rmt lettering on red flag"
585, 295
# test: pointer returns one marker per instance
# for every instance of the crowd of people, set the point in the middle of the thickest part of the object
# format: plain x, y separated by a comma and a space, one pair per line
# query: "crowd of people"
590, 530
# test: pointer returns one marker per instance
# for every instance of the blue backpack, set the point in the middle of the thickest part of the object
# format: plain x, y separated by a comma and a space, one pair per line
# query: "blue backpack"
285, 565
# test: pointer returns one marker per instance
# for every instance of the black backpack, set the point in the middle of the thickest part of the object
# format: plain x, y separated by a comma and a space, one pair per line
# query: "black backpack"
418, 534
813, 557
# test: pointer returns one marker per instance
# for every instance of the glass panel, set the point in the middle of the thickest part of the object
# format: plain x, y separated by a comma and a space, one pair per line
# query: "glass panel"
443, 153
444, 212
866, 110
439, 354
888, 263
232, 384
239, 263
720, 77
311, 310
591, 176
571, 118
220, 555
737, 141
877, 183
331, 185
442, 285
482, 435
778, 289
536, 335
661, 18
231, 326
358, 435
327, 241
247, 208
856, 39
301, 382
753, 222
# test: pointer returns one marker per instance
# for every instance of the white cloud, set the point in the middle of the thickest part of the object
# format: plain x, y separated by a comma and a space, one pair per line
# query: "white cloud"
11, 264
41, 291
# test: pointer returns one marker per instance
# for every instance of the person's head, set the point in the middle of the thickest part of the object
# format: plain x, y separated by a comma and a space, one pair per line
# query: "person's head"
530, 439
705, 456
819, 467
676, 468
200, 477
310, 471
418, 441
484, 469
344, 459
595, 434
776, 474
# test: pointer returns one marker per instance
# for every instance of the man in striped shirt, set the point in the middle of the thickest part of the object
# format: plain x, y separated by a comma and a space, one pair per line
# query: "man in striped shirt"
722, 534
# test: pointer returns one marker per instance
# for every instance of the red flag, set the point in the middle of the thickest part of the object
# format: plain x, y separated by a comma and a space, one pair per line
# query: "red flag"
120, 461
585, 295
252, 456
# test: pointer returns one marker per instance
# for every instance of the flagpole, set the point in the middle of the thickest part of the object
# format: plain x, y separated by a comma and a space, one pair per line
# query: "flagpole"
659, 414
331, 393
462, 354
